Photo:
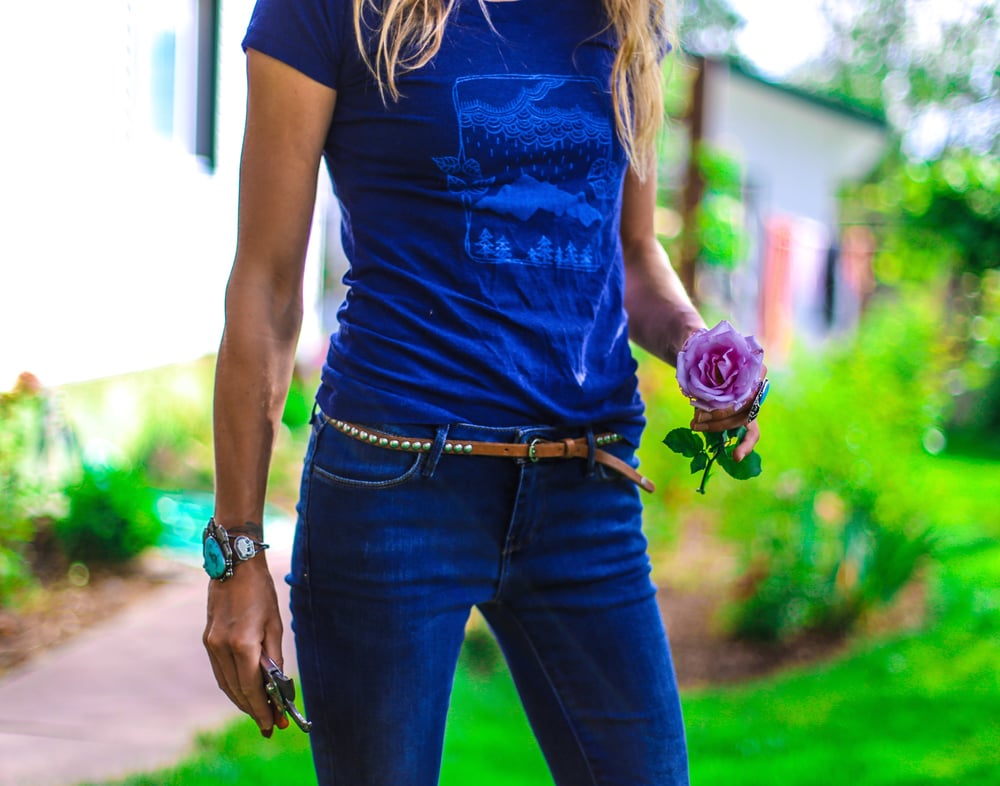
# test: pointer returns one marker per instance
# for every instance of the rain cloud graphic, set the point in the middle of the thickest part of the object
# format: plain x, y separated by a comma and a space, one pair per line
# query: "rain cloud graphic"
536, 169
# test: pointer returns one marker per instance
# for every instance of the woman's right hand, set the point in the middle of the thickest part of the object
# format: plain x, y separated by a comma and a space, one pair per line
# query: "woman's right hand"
243, 622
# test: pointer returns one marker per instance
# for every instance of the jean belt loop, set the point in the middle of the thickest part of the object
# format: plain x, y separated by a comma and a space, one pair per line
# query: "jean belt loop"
525, 435
591, 447
436, 450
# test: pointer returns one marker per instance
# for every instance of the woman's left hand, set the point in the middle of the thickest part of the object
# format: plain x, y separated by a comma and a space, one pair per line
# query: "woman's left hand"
729, 418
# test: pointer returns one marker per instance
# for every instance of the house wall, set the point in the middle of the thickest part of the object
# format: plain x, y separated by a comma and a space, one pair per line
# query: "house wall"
117, 239
796, 153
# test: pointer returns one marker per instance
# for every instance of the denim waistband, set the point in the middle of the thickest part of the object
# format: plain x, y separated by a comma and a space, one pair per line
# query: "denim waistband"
531, 443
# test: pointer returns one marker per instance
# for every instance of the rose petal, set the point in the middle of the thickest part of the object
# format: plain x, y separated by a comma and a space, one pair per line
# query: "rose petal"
719, 368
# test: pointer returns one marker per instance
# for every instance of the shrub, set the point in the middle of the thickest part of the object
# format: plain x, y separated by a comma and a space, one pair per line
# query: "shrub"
158, 419
37, 449
824, 578
299, 403
833, 527
111, 516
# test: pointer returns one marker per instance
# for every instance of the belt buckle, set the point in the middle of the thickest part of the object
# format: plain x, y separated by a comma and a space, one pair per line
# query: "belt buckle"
531, 450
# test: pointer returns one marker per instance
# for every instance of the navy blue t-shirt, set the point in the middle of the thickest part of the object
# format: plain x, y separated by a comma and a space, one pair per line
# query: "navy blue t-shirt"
480, 218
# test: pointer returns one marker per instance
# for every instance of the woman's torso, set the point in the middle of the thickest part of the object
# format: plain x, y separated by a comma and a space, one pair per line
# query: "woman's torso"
480, 220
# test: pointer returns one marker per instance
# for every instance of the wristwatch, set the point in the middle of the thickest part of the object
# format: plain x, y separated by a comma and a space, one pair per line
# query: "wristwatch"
221, 551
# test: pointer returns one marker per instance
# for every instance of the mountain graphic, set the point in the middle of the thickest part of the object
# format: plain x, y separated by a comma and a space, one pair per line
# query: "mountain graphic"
526, 196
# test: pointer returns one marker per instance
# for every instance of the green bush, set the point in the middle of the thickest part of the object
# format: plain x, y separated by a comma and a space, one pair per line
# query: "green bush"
174, 452
112, 516
15, 572
971, 360
18, 416
720, 218
819, 579
37, 451
299, 402
833, 528
158, 419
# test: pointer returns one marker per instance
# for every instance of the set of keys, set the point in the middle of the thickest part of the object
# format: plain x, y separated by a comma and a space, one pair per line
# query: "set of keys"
281, 692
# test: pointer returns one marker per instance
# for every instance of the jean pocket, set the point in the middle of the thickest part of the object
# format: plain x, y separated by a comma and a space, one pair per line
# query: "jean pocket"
343, 460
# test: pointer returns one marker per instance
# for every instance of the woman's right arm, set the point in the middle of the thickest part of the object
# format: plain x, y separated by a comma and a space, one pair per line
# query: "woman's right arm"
288, 117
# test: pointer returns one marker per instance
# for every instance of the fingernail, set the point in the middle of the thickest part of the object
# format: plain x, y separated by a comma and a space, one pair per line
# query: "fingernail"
267, 732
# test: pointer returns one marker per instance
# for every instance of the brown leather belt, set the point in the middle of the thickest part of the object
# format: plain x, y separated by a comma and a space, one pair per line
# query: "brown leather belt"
535, 450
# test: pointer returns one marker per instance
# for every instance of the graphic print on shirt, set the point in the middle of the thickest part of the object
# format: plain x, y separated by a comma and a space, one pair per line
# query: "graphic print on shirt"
535, 169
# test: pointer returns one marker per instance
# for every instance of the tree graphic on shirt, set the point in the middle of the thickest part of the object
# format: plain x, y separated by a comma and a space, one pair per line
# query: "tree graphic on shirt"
502, 250
570, 255
543, 249
484, 246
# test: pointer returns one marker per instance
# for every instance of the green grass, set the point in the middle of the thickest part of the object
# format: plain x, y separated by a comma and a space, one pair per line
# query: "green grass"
488, 741
916, 708
920, 708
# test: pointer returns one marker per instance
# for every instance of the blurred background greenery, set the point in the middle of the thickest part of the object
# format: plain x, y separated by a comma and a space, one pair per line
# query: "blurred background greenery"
881, 454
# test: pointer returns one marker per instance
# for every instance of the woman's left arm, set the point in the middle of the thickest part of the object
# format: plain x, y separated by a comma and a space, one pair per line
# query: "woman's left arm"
661, 315
660, 312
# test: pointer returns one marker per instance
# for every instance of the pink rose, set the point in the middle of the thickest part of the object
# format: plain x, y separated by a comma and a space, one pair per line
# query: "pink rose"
719, 368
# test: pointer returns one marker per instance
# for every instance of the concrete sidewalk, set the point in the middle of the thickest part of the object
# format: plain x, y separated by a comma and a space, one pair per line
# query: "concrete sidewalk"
127, 695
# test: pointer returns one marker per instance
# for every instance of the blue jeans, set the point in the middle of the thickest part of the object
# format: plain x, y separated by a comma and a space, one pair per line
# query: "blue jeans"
392, 551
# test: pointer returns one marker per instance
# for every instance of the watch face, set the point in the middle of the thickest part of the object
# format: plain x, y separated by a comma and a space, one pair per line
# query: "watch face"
243, 548
215, 560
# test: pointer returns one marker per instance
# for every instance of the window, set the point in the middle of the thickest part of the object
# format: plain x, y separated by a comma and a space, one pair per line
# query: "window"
175, 53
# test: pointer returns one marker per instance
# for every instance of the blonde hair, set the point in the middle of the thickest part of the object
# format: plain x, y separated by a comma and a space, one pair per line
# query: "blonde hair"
408, 34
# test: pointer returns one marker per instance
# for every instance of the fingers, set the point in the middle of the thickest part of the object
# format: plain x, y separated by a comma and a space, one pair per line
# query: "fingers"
236, 666
750, 439
272, 649
243, 621
251, 687
221, 675
728, 418
724, 422
720, 420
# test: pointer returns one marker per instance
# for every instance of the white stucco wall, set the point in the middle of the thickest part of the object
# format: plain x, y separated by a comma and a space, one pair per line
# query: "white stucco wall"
797, 153
115, 245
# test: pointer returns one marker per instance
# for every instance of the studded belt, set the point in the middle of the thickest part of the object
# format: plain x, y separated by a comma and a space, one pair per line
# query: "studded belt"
535, 450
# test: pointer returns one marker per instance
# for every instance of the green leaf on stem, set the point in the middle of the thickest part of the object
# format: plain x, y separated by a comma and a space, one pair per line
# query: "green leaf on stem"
684, 441
715, 439
699, 462
750, 467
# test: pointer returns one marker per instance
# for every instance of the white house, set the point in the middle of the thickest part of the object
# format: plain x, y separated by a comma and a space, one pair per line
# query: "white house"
805, 273
119, 155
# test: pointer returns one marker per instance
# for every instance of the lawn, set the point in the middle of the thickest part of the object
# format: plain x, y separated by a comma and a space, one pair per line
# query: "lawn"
910, 708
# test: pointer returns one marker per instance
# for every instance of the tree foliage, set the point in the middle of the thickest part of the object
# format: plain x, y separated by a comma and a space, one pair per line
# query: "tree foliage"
930, 67
709, 27
934, 217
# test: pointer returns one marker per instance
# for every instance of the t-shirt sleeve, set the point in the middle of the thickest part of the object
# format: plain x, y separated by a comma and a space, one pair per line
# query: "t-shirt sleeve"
308, 35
